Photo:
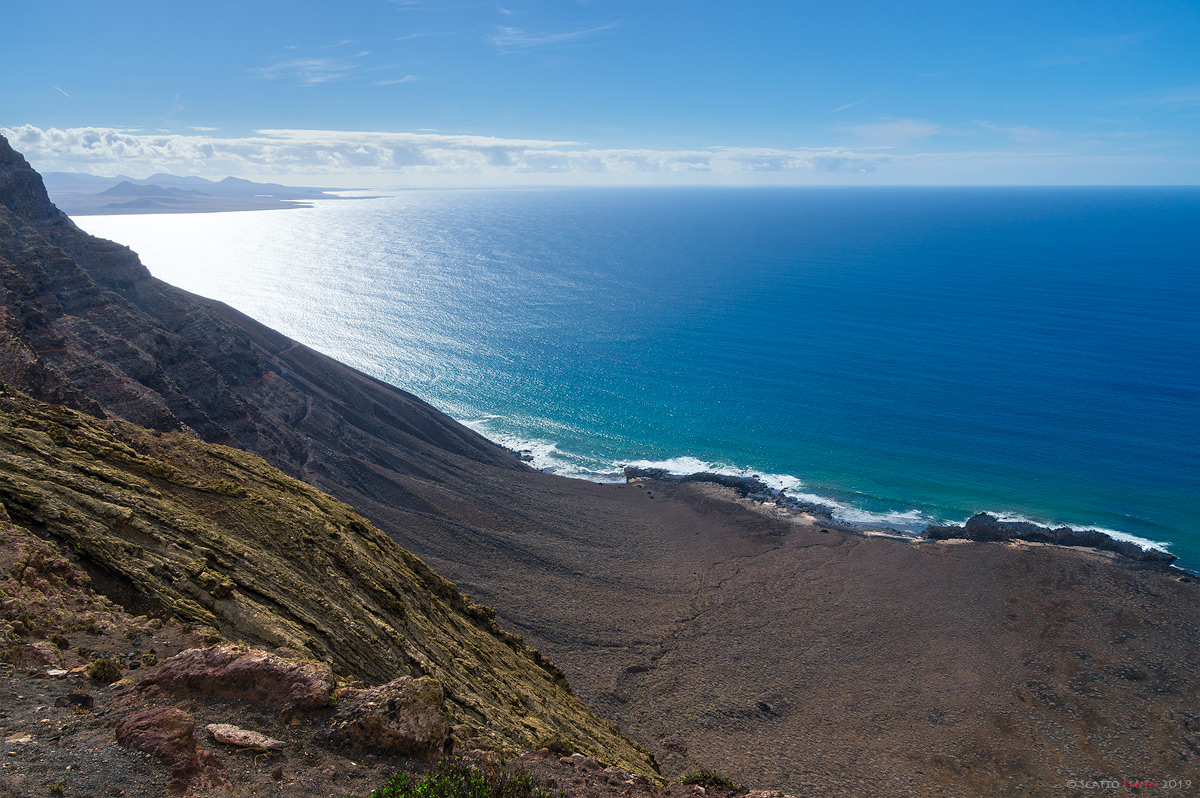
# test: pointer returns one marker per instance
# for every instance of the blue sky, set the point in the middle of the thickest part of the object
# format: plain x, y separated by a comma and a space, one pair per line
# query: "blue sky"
421, 92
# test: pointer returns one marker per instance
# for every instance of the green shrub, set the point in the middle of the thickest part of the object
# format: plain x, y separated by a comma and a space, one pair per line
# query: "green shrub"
558, 745
709, 781
104, 670
61, 641
455, 778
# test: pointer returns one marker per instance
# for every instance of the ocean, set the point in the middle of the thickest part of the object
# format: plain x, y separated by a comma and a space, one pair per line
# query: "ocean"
903, 355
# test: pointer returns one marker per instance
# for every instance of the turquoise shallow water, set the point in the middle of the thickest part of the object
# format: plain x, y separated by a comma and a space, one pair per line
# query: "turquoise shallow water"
909, 355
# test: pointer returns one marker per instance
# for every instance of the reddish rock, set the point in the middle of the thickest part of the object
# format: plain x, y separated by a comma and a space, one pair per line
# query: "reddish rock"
406, 716
245, 674
581, 761
40, 655
168, 734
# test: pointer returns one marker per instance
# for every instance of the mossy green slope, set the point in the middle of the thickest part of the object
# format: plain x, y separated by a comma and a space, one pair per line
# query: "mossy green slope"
214, 535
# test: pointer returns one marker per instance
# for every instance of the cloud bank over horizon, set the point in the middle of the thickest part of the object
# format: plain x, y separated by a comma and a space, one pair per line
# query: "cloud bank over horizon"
377, 159
410, 157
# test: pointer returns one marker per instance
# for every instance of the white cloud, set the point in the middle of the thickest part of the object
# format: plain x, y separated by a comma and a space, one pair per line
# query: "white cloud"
309, 71
841, 108
394, 81
412, 156
511, 39
892, 131
1018, 133
372, 158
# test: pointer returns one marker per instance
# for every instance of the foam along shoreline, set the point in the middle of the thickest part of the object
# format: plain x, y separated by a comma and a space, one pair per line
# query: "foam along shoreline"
782, 491
982, 527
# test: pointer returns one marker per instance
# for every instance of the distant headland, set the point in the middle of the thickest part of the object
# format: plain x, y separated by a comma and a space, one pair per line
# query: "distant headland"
91, 195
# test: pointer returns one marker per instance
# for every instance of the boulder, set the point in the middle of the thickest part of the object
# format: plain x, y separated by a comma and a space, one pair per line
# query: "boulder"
40, 655
242, 673
406, 716
168, 734
228, 734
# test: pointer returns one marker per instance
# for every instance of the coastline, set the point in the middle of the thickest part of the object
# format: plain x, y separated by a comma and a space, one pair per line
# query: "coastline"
773, 491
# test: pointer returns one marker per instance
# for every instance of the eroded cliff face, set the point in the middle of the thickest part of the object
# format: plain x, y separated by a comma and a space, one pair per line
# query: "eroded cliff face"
209, 535
84, 324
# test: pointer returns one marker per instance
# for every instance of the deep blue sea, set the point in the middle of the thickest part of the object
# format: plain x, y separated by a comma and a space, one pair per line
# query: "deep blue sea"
907, 354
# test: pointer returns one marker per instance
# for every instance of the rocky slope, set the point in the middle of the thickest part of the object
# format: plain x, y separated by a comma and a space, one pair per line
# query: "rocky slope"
213, 536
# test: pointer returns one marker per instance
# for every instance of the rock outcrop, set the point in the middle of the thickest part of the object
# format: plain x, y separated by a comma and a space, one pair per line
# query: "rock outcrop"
406, 716
984, 527
746, 487
232, 671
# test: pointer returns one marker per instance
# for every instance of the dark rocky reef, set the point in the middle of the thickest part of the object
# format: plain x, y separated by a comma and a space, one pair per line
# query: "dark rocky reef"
984, 527
746, 487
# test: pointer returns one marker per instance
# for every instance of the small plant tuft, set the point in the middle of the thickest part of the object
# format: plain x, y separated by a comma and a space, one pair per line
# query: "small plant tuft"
104, 670
57, 788
709, 781
454, 777
61, 641
211, 637
558, 745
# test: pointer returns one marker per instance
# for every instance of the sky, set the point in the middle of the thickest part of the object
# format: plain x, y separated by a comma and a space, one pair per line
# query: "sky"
378, 93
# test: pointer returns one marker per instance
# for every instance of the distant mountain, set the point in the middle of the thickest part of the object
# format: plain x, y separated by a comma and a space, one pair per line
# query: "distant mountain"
85, 195
234, 187
57, 182
127, 189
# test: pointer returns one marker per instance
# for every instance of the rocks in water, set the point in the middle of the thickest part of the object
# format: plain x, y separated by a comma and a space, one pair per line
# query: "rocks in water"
745, 486
406, 716
167, 733
243, 673
228, 734
988, 528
